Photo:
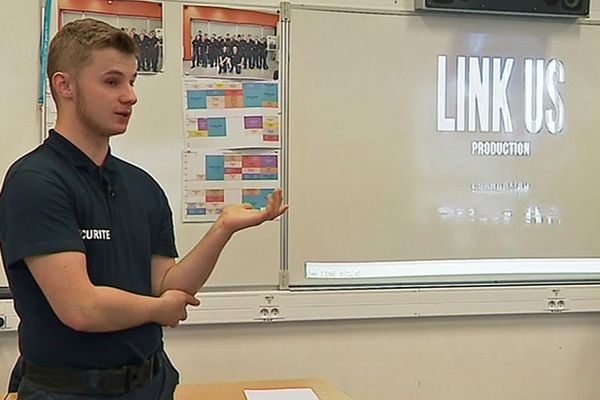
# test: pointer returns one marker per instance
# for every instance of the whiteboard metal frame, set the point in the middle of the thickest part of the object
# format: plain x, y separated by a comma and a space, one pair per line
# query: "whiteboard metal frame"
284, 87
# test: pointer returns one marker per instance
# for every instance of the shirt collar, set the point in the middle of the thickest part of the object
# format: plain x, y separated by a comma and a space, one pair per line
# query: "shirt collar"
74, 155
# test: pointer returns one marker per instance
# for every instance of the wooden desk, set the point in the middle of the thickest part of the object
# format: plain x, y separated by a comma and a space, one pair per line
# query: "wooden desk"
235, 390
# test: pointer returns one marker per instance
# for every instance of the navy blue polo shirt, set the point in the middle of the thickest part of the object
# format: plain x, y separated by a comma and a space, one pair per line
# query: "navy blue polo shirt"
56, 199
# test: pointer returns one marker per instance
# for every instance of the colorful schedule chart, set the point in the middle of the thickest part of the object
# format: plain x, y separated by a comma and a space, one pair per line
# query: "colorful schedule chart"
230, 114
213, 179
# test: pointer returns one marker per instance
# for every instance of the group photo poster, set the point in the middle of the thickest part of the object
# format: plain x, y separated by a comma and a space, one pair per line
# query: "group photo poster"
229, 43
142, 20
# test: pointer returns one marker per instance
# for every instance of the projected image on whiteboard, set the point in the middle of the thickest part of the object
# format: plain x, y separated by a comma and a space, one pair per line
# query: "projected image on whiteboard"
480, 144
473, 99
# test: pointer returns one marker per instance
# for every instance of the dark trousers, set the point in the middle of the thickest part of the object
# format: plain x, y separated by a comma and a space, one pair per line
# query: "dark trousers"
161, 387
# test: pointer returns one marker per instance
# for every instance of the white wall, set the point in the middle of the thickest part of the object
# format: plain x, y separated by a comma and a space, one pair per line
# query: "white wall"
551, 357
554, 357
491, 358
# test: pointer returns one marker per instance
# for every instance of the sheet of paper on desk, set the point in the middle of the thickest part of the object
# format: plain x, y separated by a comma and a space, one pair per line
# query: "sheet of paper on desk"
281, 394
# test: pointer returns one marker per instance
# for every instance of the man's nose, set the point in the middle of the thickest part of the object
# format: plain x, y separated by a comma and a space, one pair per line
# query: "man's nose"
129, 95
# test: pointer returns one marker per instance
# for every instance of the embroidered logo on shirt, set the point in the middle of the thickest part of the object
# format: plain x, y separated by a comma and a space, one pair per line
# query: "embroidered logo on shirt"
95, 234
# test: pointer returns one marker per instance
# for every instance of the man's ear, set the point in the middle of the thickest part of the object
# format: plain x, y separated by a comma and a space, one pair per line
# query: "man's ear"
62, 84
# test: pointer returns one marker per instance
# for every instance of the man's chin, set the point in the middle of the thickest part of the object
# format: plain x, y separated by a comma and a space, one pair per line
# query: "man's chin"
117, 131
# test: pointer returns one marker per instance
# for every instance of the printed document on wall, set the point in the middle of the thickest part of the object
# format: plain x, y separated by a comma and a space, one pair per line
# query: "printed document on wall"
213, 179
230, 114
281, 394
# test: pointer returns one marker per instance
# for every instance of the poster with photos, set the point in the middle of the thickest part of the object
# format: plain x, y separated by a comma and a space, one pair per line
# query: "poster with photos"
229, 43
141, 20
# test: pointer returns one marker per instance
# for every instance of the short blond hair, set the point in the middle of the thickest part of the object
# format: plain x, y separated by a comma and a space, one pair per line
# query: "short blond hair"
71, 48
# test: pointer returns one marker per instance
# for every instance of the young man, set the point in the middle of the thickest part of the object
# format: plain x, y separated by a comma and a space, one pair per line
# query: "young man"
87, 239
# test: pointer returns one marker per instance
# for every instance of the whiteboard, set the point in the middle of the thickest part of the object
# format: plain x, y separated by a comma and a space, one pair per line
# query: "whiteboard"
371, 176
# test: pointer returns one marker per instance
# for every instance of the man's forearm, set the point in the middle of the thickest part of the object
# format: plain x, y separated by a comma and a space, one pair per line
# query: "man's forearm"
193, 270
110, 309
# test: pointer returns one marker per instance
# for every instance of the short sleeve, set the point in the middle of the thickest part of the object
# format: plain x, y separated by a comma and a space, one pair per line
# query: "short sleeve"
165, 238
36, 217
